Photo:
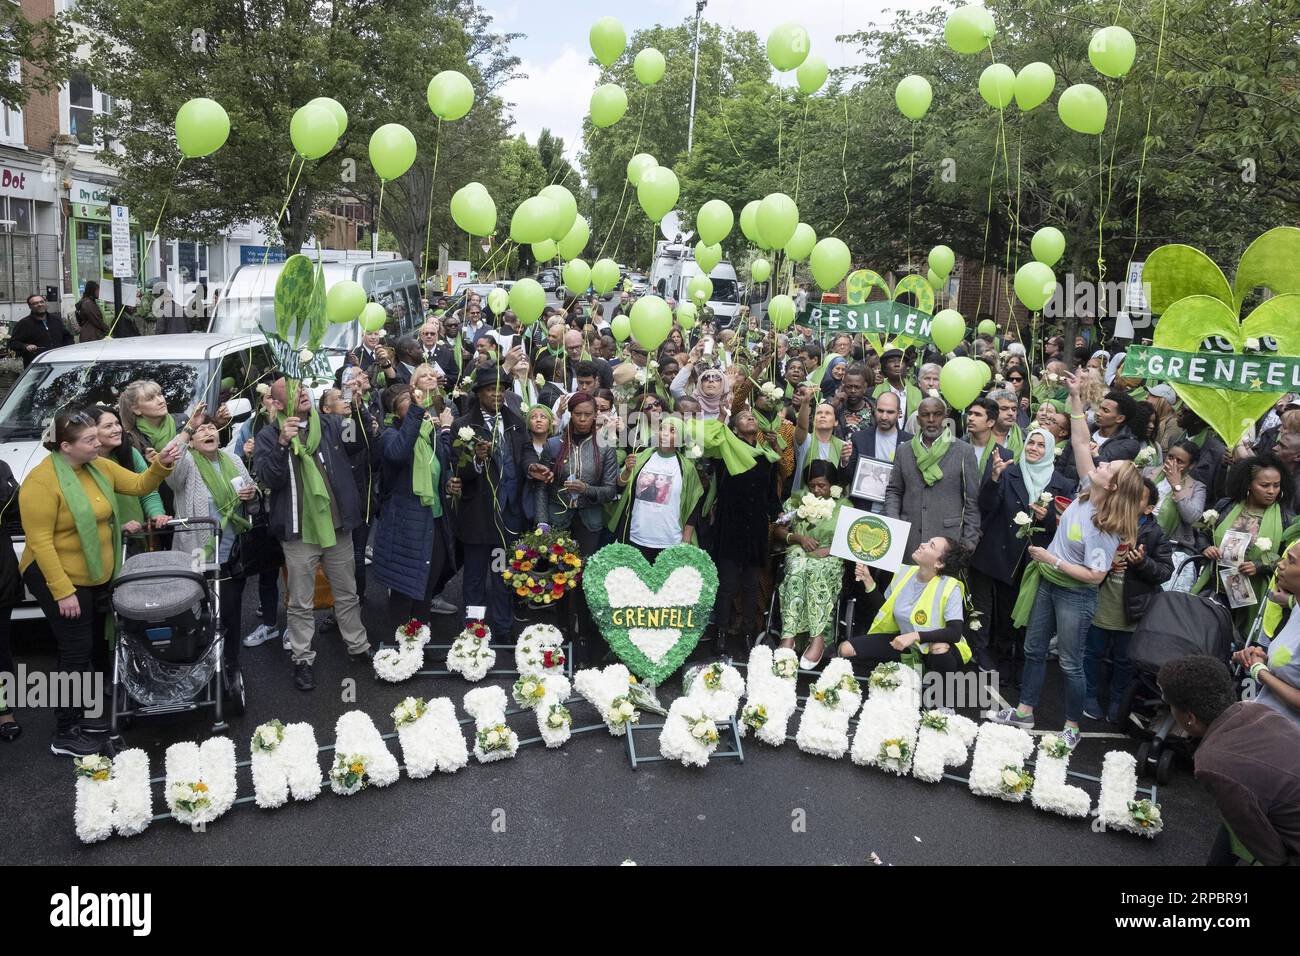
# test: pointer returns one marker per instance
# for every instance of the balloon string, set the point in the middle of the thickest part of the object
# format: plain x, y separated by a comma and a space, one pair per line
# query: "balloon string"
1137, 213
428, 225
844, 166
266, 254
988, 218
911, 172
798, 170
723, 113
1006, 174
379, 213
121, 307
1020, 131
645, 99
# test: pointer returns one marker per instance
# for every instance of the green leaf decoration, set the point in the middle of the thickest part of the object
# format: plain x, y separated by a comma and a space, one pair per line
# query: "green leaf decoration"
293, 295
1177, 271
920, 289
858, 286
1272, 261
317, 322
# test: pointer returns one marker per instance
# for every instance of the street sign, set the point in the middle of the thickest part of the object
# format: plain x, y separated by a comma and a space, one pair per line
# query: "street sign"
123, 260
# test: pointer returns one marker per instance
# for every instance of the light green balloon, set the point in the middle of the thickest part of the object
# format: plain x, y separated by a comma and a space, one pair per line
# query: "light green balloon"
1111, 51
473, 210
960, 381
566, 210
344, 301
780, 312
686, 316
998, 85
800, 245
527, 299
373, 317
1035, 283
544, 251
450, 95
202, 127
749, 220
577, 276
621, 326
571, 246
651, 321
1034, 84
788, 46
532, 220
1048, 245
313, 130
707, 256
498, 300
608, 40
947, 329
812, 74
760, 270
1083, 108
714, 221
700, 289
637, 165
912, 96
777, 218
608, 104
392, 150
658, 192
969, 30
935, 280
829, 262
987, 327
335, 107
604, 275
941, 261
649, 66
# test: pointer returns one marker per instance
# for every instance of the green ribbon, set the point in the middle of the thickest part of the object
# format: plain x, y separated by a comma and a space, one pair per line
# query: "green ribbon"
1035, 572
1168, 517
317, 527
719, 441
425, 471
83, 515
928, 459
217, 479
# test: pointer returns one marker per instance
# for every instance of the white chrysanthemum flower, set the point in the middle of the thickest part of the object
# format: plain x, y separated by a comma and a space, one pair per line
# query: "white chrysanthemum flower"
466, 433
836, 491
1264, 544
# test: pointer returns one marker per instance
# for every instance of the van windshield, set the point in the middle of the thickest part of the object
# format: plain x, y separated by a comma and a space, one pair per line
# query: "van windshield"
243, 316
724, 290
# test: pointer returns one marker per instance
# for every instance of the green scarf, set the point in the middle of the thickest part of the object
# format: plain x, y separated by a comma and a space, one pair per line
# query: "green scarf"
83, 515
928, 459
1197, 440
317, 526
158, 435
1035, 572
984, 455
716, 440
771, 424
1168, 517
1015, 441
217, 479
814, 451
129, 507
1270, 526
425, 470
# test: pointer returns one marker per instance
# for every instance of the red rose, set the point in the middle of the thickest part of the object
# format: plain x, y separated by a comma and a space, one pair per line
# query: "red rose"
479, 632
556, 549
546, 659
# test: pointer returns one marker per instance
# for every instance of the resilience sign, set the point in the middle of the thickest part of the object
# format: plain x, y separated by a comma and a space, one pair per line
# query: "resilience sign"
881, 317
1237, 371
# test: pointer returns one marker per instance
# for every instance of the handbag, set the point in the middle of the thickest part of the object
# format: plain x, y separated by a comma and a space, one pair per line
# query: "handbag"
255, 550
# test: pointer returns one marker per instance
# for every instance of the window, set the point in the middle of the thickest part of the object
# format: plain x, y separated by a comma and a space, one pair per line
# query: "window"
11, 118
18, 251
84, 104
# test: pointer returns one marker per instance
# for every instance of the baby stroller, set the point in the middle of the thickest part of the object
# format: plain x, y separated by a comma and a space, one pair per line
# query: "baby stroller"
168, 654
1174, 626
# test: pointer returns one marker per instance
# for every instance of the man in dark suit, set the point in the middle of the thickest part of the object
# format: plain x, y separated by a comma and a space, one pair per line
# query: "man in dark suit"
939, 494
574, 347
39, 331
452, 353
879, 440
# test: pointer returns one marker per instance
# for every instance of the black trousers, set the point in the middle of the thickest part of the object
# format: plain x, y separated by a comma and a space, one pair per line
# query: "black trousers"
6, 653
873, 649
80, 642
589, 646
998, 642
650, 554
732, 577
403, 607
359, 538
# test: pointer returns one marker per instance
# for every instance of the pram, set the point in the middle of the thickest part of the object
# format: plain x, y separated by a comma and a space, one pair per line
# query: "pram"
168, 654
1174, 626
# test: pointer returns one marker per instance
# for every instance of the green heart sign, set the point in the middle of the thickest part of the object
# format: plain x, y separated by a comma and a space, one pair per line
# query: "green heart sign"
650, 615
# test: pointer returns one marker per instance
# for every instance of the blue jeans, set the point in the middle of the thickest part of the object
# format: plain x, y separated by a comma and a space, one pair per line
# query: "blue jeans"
1121, 668
1067, 613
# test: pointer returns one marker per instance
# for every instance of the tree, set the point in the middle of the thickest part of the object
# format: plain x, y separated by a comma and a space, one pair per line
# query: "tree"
46, 48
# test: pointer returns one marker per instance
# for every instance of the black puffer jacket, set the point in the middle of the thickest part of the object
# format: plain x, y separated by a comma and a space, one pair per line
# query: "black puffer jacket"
1144, 579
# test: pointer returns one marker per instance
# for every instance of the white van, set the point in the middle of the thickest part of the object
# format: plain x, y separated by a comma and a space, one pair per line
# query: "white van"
673, 268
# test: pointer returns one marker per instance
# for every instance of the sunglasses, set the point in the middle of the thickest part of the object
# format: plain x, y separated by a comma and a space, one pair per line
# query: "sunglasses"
1014, 378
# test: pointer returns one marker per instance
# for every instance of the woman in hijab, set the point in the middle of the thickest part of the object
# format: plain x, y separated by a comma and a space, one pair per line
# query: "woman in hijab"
835, 369
713, 392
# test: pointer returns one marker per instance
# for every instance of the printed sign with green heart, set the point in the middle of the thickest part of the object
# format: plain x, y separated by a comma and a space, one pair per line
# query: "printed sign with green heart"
834, 318
651, 615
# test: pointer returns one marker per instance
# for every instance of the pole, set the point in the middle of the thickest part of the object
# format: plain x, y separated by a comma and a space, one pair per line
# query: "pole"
117, 279
690, 126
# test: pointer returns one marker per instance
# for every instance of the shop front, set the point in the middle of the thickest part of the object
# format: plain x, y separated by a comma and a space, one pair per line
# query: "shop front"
90, 244
29, 236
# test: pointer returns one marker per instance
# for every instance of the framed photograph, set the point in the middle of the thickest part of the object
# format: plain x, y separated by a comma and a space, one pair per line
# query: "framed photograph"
871, 479
1233, 549
1237, 586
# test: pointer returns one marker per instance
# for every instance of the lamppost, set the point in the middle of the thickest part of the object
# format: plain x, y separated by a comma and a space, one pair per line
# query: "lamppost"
690, 126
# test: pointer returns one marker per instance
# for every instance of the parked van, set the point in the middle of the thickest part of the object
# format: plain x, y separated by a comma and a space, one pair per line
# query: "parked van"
673, 268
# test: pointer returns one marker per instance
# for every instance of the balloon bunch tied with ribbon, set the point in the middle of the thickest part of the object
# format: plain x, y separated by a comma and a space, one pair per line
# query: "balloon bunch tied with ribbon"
451, 96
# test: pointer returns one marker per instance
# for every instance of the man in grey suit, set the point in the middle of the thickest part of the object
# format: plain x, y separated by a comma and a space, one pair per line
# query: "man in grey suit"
935, 482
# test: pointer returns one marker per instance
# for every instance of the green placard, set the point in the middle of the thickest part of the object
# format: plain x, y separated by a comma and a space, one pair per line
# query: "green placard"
881, 317
1236, 371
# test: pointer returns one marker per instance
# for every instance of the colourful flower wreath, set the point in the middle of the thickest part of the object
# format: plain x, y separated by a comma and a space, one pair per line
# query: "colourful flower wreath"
544, 566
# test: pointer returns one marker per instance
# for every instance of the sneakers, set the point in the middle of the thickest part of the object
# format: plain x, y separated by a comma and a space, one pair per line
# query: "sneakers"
303, 678
439, 606
1071, 736
1013, 717
261, 636
95, 725
73, 743
288, 644
1092, 710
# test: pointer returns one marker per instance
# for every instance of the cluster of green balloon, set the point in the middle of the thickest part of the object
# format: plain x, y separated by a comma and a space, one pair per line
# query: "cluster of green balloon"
577, 276
788, 46
649, 66
969, 29
575, 240
392, 150
800, 245
961, 380
621, 326
316, 127
1035, 284
651, 321
941, 260
373, 317
608, 104
912, 95
498, 300
707, 256
544, 251
202, 127
714, 220
473, 210
780, 312
450, 95
550, 215
934, 280
760, 270
700, 290
947, 330
830, 262
604, 275
527, 298
344, 302
686, 315
657, 191
1048, 245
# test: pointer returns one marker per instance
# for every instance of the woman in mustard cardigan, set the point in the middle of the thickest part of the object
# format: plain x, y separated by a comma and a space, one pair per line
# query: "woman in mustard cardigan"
74, 543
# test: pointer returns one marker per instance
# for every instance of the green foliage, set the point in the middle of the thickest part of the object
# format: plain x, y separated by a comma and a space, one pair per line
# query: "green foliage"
49, 43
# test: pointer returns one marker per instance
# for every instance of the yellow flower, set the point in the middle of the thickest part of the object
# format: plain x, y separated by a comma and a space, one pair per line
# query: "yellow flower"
521, 591
201, 787
357, 768
631, 678
557, 578
519, 553
100, 775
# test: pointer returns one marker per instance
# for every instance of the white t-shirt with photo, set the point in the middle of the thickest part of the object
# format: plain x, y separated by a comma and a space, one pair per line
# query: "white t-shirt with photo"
657, 504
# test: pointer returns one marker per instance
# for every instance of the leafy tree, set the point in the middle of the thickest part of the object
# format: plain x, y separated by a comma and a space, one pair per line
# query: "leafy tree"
47, 46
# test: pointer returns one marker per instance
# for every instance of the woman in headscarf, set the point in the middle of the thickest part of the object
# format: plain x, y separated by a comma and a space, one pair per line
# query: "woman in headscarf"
836, 366
811, 583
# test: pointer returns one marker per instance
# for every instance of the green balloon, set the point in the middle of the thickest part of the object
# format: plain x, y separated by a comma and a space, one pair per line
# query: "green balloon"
473, 210
577, 276
658, 192
707, 256
812, 74
608, 104
686, 316
960, 381
760, 270
935, 280
1048, 245
450, 95
714, 221
913, 95
1035, 284
830, 261
344, 301
335, 107
801, 244
1034, 84
313, 131
498, 300
608, 40
373, 317
777, 218
571, 246
604, 275
969, 30
621, 326
544, 251
947, 329
392, 150
532, 220
527, 299
652, 320
941, 261
780, 312
749, 221
1083, 108
649, 66
987, 327
202, 127
1111, 51
787, 46
998, 85
700, 289
986, 370
637, 165
566, 209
